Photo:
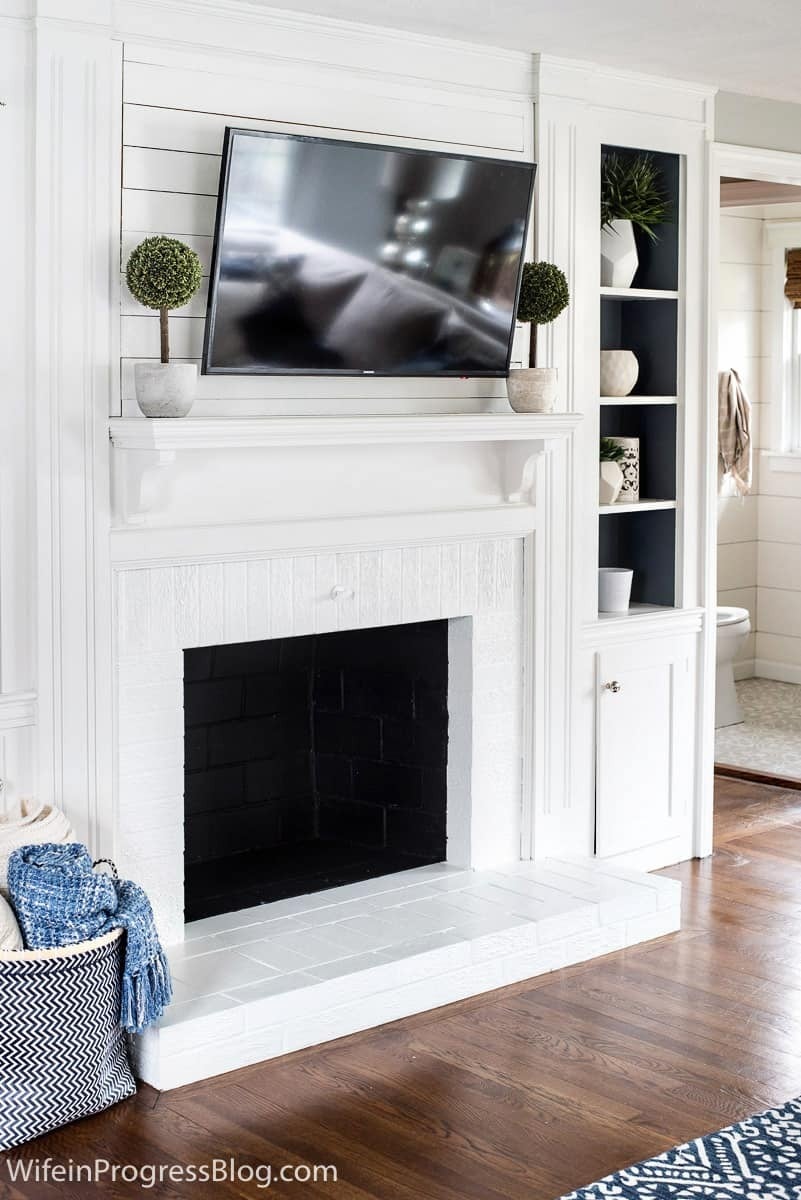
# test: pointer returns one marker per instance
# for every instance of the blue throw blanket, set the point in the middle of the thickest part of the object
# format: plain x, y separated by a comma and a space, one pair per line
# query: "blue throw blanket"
60, 899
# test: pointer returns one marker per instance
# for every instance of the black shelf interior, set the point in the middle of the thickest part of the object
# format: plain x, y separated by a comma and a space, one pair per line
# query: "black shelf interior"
650, 329
659, 261
644, 542
655, 426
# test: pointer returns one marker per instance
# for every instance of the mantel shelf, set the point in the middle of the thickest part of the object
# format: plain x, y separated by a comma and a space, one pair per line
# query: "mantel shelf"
226, 433
147, 451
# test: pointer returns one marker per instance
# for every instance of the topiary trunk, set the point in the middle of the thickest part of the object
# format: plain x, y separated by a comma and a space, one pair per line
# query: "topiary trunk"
165, 334
532, 346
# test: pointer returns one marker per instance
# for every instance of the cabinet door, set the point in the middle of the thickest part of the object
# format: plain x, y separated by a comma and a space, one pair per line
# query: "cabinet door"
645, 743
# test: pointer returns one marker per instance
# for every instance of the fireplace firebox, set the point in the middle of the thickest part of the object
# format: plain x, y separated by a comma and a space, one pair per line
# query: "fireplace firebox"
311, 762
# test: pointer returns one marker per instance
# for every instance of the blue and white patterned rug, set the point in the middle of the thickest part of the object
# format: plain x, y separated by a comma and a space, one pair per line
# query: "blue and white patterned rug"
759, 1159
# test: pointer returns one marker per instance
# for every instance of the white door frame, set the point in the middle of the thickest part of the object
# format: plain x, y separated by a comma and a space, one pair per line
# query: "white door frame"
743, 162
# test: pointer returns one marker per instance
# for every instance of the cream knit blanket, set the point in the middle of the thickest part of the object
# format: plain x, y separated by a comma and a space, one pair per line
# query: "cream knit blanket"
27, 825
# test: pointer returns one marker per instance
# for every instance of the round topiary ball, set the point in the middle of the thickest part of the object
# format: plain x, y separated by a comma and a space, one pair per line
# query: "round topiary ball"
163, 273
543, 293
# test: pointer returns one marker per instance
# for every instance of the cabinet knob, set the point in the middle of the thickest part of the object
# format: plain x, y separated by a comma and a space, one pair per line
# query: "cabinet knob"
614, 686
338, 590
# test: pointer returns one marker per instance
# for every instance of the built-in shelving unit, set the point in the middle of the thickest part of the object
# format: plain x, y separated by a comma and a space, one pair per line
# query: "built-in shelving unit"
644, 318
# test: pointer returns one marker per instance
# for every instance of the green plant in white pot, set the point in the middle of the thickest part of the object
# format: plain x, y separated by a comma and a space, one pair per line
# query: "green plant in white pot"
544, 294
631, 196
164, 274
611, 475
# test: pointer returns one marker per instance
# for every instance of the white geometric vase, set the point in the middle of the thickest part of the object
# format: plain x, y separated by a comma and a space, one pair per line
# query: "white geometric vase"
630, 468
610, 482
619, 261
619, 372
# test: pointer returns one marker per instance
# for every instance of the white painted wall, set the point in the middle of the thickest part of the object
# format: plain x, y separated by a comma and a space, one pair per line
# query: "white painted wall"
754, 121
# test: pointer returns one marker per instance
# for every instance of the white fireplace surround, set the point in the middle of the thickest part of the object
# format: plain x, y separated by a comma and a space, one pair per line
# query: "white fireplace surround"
163, 610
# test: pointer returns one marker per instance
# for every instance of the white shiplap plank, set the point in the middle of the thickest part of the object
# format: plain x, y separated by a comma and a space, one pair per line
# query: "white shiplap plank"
469, 576
431, 573
211, 590
393, 112
177, 129
173, 213
202, 245
170, 171
140, 337
450, 593
487, 575
186, 606
195, 308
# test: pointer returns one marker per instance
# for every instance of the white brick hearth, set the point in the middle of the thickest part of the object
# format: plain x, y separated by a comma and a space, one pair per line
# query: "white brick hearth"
266, 981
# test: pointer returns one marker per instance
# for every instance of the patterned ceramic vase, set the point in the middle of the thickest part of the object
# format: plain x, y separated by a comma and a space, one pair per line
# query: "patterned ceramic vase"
619, 371
630, 466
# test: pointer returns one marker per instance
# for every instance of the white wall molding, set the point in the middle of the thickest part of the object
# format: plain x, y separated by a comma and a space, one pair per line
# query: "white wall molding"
74, 163
239, 27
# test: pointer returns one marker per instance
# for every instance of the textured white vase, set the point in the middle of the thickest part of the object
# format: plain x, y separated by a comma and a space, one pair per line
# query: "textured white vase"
630, 469
609, 483
619, 259
532, 389
165, 389
614, 589
619, 372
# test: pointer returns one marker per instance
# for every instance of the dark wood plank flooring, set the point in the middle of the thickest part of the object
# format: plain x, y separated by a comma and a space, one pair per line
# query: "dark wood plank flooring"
528, 1092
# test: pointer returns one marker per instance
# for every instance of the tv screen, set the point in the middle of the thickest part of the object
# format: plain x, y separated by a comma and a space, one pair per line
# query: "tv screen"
335, 257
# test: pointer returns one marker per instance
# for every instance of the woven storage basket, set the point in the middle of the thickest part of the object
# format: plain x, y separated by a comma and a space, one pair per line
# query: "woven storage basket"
63, 1052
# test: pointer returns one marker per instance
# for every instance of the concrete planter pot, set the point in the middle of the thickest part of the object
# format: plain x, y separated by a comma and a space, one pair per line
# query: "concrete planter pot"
532, 389
619, 372
165, 389
619, 260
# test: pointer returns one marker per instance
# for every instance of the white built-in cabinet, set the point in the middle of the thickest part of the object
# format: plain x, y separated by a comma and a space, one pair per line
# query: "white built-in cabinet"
642, 729
645, 729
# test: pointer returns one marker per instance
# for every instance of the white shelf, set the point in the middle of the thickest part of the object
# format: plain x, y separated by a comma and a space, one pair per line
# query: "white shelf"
619, 509
213, 433
638, 610
637, 400
638, 294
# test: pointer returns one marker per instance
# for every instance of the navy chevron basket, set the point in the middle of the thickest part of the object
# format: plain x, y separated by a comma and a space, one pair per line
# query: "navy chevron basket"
63, 1053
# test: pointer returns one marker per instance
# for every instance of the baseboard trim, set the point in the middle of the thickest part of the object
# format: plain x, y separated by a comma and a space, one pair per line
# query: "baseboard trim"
745, 669
783, 672
748, 776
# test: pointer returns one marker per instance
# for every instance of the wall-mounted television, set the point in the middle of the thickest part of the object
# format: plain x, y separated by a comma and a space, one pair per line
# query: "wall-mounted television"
349, 258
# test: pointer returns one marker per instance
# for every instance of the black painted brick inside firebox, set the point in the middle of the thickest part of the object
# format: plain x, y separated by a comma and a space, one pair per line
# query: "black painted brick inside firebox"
341, 736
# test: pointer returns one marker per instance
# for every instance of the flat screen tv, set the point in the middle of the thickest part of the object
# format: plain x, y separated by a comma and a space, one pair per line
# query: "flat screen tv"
347, 258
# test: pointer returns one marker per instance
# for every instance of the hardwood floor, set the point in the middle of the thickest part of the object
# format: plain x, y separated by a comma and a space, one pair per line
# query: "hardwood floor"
530, 1091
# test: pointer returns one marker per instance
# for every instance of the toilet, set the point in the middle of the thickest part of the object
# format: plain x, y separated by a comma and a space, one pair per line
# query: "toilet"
734, 626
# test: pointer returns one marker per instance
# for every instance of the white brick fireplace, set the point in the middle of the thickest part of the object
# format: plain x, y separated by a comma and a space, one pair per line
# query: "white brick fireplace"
163, 610
461, 517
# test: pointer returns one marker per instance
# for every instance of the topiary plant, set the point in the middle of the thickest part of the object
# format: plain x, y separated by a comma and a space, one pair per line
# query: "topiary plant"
163, 273
543, 295
631, 190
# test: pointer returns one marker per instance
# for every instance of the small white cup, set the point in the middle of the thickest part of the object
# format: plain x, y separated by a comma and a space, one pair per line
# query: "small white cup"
614, 589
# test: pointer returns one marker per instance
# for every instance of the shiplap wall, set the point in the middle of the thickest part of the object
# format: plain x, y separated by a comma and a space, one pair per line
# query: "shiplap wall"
759, 538
176, 106
778, 639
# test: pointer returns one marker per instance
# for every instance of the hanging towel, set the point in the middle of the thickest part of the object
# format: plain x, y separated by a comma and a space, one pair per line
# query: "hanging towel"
60, 899
734, 432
